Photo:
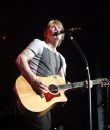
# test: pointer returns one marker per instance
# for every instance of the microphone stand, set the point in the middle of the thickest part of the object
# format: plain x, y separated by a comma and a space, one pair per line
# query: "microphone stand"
88, 75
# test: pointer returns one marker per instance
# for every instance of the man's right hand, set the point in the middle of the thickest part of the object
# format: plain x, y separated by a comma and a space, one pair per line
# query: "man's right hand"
39, 86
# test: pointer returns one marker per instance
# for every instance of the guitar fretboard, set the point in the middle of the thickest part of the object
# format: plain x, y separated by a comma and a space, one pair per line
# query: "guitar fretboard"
71, 86
101, 81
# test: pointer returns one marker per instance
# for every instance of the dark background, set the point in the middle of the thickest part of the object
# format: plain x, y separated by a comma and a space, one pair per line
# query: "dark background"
22, 21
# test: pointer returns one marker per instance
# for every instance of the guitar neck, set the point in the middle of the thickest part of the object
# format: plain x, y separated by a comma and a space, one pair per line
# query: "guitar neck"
71, 85
102, 81
97, 81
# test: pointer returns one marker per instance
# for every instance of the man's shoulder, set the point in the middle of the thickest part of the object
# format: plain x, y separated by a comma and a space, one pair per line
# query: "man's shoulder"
37, 42
61, 55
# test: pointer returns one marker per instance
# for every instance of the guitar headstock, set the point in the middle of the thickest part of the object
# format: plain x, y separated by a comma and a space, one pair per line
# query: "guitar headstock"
105, 82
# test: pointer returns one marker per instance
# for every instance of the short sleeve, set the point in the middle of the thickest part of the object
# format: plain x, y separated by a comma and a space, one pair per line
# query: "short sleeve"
36, 45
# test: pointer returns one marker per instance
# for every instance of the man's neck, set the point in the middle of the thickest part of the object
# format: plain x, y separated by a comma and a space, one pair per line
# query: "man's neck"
53, 48
52, 45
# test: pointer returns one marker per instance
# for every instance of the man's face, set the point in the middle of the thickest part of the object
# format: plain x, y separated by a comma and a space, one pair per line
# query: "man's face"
54, 28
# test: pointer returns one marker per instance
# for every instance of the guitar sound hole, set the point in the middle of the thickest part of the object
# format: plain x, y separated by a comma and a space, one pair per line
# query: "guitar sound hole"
53, 88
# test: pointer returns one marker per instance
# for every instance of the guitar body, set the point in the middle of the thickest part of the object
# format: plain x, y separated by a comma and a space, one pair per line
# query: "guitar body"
35, 102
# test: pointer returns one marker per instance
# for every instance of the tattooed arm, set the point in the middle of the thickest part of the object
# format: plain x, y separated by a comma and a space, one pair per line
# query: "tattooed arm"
22, 62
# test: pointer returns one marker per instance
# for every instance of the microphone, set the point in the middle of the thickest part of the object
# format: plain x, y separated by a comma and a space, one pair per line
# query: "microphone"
66, 31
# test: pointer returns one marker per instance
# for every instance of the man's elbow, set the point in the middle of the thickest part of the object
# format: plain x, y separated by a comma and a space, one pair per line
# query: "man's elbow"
18, 59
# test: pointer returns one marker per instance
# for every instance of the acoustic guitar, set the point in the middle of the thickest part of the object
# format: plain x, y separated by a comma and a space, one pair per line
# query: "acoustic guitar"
34, 102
